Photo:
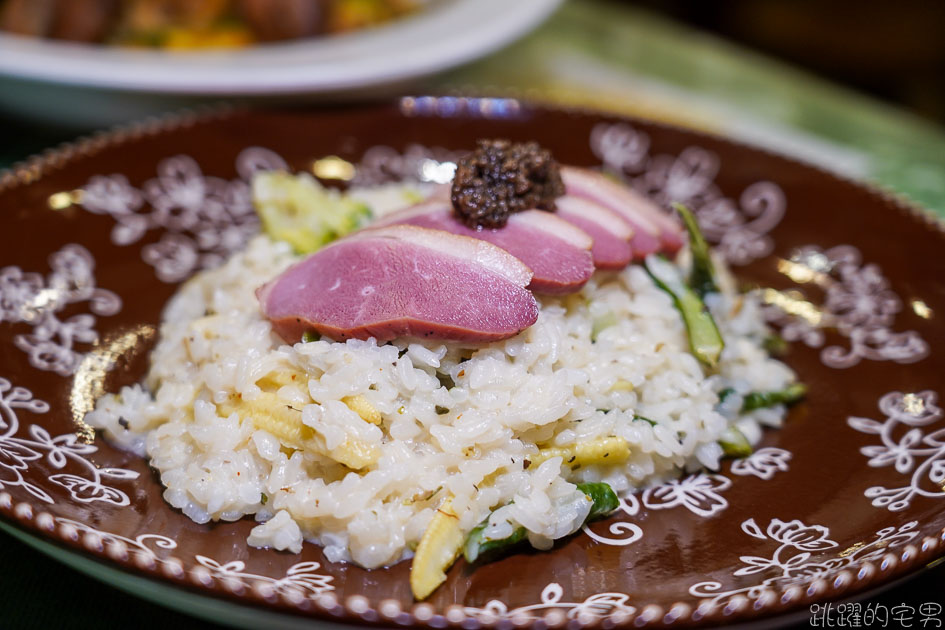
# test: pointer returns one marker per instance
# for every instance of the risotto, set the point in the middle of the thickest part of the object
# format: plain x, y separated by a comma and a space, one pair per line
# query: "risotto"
354, 445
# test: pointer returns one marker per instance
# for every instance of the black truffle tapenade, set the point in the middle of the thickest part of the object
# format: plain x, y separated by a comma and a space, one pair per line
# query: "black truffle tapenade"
501, 177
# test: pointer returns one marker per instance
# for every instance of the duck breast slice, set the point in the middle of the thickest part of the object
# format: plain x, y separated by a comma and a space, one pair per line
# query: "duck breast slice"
611, 234
402, 281
558, 253
642, 213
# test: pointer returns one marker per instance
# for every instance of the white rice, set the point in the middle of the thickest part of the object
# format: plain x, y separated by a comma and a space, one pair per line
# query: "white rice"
458, 420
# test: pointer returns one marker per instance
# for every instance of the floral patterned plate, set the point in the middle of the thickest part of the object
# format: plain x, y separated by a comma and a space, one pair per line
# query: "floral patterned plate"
848, 496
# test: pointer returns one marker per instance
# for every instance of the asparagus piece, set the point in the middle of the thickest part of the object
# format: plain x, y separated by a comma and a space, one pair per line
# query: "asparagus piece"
734, 443
758, 400
702, 275
705, 341
477, 545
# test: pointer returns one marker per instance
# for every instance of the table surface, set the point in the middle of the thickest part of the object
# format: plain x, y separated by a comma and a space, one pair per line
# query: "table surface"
604, 56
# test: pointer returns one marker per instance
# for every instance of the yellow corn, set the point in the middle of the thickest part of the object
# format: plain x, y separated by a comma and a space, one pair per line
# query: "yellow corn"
421, 496
608, 450
207, 325
280, 378
438, 549
361, 406
574, 301
270, 413
622, 386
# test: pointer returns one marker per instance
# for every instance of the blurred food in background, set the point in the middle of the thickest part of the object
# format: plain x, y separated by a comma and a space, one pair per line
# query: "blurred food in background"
189, 24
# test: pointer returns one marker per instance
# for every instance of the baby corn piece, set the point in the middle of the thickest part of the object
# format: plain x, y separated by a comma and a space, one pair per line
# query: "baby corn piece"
622, 386
608, 450
438, 549
271, 413
280, 378
361, 406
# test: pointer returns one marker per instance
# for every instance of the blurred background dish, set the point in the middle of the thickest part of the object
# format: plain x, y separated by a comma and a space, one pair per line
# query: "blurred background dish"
93, 63
194, 24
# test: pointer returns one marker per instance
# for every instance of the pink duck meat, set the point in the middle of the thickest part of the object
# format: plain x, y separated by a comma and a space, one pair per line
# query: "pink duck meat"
558, 253
402, 281
650, 223
611, 234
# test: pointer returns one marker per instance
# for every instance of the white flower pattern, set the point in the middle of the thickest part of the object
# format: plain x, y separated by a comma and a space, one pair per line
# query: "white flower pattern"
18, 454
763, 463
595, 607
915, 452
301, 578
801, 556
382, 164
699, 493
203, 219
738, 229
626, 533
27, 298
858, 303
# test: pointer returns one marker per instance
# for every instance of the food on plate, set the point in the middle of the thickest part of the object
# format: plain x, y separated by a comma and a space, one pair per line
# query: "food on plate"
501, 178
611, 236
191, 24
558, 254
390, 282
483, 543
297, 209
406, 390
653, 229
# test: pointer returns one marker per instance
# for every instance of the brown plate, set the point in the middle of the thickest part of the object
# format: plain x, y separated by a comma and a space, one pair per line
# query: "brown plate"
846, 497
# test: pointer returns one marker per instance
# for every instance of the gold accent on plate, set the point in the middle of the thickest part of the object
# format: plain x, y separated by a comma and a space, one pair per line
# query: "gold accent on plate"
89, 382
852, 549
913, 404
802, 273
793, 303
921, 309
815, 261
64, 199
333, 167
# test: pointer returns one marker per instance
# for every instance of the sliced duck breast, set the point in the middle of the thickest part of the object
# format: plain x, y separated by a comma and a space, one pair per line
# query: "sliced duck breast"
611, 234
648, 219
402, 281
557, 252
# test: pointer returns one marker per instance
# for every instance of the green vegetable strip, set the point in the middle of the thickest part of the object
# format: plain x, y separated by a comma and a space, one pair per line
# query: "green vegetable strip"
477, 545
786, 396
705, 341
604, 498
775, 344
702, 275
297, 209
644, 419
734, 443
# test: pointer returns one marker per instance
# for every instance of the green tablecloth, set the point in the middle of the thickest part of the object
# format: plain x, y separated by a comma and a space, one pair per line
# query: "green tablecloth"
605, 56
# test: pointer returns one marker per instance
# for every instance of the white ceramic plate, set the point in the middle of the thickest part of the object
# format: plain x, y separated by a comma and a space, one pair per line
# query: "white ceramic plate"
88, 85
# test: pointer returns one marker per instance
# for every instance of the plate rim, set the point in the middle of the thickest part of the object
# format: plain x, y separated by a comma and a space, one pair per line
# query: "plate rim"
33, 521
